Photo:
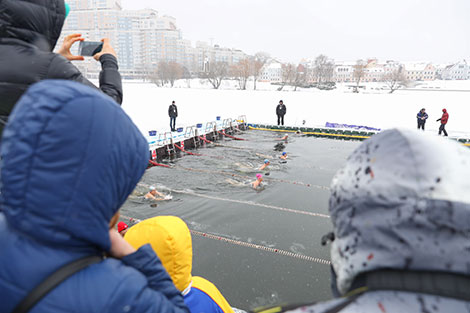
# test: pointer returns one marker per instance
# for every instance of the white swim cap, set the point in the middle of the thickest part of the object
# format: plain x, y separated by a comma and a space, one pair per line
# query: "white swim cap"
152, 188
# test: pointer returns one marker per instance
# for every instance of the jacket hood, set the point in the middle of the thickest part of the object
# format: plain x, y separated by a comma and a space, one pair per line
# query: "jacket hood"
170, 238
70, 157
401, 202
37, 22
444, 110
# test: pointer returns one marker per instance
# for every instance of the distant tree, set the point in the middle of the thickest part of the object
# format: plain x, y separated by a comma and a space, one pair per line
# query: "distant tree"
175, 71
162, 73
187, 76
359, 72
242, 72
300, 76
395, 79
217, 72
258, 63
323, 69
288, 72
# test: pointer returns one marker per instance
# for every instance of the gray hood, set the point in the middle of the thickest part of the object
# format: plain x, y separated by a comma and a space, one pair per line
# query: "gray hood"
402, 201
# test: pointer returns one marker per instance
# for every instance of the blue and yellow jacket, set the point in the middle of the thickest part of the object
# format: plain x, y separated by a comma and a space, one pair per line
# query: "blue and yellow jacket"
171, 240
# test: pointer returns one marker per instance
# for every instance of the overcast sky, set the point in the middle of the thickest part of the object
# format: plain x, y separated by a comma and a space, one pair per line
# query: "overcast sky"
346, 30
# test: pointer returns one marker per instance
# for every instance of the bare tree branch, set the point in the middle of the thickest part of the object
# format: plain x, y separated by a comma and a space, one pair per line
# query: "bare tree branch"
217, 72
359, 72
287, 75
260, 59
242, 72
323, 70
395, 79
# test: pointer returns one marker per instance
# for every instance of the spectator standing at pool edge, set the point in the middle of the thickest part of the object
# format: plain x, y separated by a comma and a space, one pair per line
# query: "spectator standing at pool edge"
422, 117
444, 118
173, 113
280, 112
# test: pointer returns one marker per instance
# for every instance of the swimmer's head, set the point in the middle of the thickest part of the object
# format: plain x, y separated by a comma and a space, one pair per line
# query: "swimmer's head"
284, 153
259, 176
152, 188
266, 161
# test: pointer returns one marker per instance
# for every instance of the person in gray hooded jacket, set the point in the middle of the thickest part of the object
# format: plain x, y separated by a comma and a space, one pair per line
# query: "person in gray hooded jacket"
400, 208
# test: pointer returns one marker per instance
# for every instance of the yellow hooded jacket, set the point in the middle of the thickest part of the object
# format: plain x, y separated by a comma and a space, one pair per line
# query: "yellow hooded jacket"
170, 238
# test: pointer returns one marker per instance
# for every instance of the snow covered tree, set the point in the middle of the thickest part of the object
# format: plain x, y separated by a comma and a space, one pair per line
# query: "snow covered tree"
395, 79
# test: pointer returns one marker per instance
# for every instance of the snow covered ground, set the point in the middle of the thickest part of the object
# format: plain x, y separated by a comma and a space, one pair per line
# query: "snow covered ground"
148, 104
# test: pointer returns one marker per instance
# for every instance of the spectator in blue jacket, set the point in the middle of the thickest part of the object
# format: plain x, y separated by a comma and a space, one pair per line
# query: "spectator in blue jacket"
422, 116
70, 157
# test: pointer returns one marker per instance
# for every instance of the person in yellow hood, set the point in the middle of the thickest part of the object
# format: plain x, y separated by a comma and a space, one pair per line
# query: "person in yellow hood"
170, 238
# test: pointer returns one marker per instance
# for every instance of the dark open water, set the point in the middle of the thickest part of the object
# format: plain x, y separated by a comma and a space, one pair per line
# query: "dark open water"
250, 277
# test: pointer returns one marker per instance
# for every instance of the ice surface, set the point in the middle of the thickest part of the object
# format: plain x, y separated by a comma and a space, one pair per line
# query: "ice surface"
148, 104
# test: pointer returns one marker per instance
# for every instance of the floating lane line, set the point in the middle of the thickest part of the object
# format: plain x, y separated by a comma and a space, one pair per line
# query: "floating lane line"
247, 244
250, 203
248, 177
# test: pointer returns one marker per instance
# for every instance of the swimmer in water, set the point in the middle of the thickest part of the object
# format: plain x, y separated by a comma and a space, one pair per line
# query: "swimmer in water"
283, 138
283, 156
266, 163
151, 195
257, 183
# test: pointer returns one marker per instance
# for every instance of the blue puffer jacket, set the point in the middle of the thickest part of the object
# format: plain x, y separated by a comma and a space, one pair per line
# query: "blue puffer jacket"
70, 157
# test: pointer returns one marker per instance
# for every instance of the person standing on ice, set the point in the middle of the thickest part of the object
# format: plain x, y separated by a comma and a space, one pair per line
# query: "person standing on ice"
280, 112
444, 118
173, 113
422, 116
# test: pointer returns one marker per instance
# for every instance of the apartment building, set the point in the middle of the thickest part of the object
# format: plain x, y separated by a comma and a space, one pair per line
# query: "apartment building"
457, 71
141, 38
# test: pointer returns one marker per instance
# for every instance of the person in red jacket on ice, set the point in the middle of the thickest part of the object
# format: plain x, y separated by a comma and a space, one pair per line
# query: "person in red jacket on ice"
444, 118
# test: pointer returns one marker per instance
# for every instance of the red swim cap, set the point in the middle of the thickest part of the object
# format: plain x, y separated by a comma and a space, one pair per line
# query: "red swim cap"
122, 226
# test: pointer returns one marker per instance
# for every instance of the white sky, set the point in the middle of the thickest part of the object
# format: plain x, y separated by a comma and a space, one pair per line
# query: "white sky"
346, 30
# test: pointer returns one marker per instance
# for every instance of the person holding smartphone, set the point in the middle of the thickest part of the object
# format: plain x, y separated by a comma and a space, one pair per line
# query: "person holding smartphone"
28, 34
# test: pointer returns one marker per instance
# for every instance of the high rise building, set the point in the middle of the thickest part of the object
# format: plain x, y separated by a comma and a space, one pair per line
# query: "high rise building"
141, 38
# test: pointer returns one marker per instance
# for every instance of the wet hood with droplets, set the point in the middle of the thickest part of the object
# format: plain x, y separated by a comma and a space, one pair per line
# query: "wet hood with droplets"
402, 202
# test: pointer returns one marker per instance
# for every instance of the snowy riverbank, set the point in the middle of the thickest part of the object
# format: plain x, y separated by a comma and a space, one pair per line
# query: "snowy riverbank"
148, 105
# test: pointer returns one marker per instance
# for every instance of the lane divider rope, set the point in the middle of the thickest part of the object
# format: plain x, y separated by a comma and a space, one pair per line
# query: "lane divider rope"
190, 153
158, 164
248, 245
250, 203
311, 133
248, 177
229, 136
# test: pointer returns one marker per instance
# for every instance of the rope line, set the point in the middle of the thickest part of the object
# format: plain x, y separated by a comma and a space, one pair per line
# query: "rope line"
248, 177
229, 136
248, 245
251, 203
190, 153
311, 133
158, 164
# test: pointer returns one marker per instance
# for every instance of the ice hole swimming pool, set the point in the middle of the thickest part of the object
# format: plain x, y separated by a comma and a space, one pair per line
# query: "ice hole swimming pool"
255, 239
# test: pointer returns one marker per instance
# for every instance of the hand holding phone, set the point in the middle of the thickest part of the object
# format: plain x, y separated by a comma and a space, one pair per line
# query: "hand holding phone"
89, 48
67, 44
107, 49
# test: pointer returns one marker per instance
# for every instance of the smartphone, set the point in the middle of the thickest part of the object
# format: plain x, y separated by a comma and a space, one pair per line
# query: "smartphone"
89, 48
